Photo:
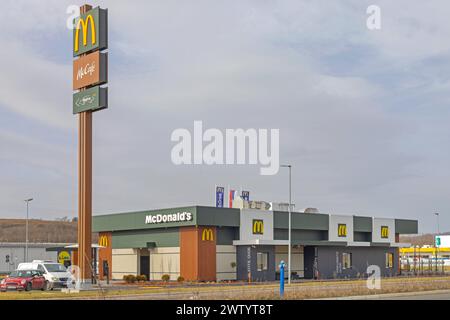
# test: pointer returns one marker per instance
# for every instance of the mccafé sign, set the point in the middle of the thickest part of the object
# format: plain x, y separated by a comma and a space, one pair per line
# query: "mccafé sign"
170, 217
90, 70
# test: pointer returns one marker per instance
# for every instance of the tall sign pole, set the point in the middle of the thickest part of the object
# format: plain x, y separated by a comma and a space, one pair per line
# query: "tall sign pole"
89, 73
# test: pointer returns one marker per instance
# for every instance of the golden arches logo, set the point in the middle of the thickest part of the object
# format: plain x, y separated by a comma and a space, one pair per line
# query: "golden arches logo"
342, 230
258, 226
208, 235
103, 241
384, 232
83, 26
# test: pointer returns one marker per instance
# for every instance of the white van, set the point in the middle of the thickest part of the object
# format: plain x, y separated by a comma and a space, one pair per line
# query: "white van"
55, 273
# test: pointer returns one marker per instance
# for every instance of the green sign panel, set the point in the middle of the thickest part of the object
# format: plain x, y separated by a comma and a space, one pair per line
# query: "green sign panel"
438, 241
90, 32
92, 99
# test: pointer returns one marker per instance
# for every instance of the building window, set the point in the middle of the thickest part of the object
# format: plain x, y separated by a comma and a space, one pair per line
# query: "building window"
261, 260
389, 260
346, 260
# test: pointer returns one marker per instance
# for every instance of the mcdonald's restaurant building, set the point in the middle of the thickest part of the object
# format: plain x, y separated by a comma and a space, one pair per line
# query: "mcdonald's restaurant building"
214, 244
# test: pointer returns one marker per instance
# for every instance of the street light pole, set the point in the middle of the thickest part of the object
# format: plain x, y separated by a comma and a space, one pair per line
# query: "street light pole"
435, 246
26, 230
290, 221
437, 217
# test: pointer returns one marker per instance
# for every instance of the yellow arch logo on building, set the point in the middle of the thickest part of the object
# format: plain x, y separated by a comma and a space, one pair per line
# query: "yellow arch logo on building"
83, 26
63, 256
384, 232
103, 241
342, 230
258, 226
208, 235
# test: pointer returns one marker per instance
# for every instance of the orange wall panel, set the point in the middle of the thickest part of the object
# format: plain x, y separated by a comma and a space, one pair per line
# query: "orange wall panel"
189, 253
198, 253
105, 239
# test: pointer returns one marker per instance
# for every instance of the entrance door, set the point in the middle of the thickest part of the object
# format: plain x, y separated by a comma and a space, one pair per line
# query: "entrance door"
145, 266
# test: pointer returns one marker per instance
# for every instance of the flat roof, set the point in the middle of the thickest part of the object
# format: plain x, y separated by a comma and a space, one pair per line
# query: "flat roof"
230, 217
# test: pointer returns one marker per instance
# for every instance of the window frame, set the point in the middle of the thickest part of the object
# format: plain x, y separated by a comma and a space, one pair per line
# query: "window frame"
262, 265
350, 257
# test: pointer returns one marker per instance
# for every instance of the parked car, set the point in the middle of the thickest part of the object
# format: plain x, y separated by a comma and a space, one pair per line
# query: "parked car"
55, 273
24, 280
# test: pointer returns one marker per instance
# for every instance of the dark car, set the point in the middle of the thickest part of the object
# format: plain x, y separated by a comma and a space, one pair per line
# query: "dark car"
24, 280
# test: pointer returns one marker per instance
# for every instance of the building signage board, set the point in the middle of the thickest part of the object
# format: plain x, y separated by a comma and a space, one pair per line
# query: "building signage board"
90, 32
167, 218
245, 195
90, 70
442, 241
92, 99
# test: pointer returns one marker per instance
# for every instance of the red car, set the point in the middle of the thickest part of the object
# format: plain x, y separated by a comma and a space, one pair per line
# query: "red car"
24, 280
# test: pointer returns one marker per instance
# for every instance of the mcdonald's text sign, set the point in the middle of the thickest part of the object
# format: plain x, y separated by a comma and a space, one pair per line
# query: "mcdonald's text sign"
90, 32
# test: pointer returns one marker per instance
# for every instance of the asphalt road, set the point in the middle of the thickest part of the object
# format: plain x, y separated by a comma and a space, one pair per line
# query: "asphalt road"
422, 296
426, 295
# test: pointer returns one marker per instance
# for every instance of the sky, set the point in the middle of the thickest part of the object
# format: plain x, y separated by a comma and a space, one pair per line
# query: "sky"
363, 114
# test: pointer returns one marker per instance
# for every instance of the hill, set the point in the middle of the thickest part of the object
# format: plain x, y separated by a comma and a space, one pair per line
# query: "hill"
13, 230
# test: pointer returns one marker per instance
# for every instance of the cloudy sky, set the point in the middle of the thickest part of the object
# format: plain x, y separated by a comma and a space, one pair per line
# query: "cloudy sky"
363, 115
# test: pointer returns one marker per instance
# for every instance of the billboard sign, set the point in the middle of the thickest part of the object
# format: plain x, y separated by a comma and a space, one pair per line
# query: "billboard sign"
442, 241
245, 195
92, 99
90, 32
90, 70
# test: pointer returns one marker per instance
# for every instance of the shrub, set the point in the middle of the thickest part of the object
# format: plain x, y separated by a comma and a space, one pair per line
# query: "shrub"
129, 278
141, 278
165, 277
180, 279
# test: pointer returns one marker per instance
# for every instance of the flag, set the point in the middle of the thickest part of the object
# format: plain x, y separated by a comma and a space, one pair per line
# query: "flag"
220, 194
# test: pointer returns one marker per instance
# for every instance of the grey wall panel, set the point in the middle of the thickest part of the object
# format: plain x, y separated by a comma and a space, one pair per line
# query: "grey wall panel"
246, 261
363, 237
403, 226
298, 235
139, 238
210, 216
362, 224
306, 221
226, 235
330, 261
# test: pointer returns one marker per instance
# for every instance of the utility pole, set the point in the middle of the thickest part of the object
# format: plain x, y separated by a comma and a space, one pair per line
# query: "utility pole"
26, 229
290, 220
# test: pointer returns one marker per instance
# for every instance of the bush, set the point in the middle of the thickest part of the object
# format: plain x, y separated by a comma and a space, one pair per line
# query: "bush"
141, 278
129, 278
180, 279
165, 277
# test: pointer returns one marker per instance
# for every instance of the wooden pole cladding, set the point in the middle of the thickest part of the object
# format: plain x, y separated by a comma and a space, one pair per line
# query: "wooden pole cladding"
85, 189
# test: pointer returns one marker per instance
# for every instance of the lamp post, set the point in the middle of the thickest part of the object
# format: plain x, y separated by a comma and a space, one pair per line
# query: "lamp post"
290, 226
26, 230
437, 218
435, 246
